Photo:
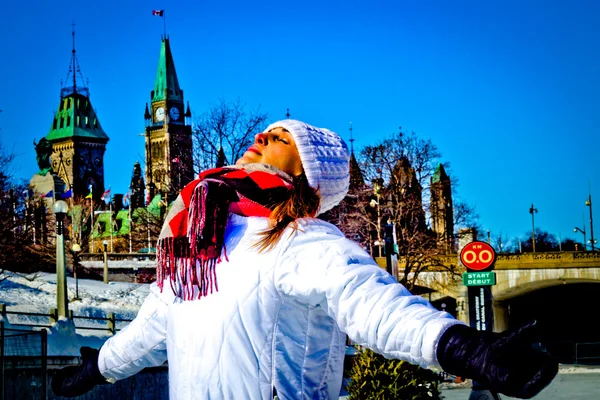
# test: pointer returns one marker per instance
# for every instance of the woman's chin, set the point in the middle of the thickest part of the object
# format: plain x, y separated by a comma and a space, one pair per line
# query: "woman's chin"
245, 160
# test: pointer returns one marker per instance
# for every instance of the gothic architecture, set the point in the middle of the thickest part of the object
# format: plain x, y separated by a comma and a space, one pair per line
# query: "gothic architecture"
442, 217
169, 164
76, 139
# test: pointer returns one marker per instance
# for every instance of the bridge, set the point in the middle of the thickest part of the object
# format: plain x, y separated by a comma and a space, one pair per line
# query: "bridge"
557, 289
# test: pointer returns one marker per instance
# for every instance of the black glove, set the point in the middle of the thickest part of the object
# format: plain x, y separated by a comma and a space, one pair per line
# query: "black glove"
77, 380
512, 362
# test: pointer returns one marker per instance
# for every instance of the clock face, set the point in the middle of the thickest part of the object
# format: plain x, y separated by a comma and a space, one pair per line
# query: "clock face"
174, 113
160, 114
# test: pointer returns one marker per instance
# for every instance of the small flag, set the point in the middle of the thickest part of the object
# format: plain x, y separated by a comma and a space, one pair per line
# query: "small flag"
126, 198
147, 192
26, 194
89, 196
49, 194
176, 160
158, 13
68, 194
106, 196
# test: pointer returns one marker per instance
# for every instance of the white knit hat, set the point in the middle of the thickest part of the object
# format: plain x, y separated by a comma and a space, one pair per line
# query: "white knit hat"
325, 160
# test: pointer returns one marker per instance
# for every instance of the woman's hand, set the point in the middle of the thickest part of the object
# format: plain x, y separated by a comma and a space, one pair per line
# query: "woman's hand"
513, 362
77, 380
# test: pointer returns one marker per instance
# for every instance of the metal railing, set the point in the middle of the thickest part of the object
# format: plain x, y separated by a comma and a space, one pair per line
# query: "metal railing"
111, 319
587, 353
23, 363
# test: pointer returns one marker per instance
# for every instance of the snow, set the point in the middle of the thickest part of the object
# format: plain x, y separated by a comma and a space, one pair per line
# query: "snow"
36, 293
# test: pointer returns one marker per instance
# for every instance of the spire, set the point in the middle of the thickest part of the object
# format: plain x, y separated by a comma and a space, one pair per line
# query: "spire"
351, 140
166, 85
440, 175
137, 187
356, 177
147, 116
287, 114
73, 72
75, 116
221, 160
188, 114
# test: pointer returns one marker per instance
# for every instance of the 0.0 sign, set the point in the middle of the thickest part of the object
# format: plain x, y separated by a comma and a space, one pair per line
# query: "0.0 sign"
477, 256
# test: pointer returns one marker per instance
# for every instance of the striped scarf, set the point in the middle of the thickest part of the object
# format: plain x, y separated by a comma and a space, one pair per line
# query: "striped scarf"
192, 236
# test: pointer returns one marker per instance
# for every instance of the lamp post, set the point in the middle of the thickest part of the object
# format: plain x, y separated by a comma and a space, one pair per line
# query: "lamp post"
576, 229
60, 209
76, 249
105, 244
532, 211
588, 203
377, 187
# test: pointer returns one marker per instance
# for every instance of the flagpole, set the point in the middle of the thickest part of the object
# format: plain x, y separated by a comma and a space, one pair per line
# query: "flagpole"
92, 216
130, 226
165, 23
111, 226
72, 212
34, 218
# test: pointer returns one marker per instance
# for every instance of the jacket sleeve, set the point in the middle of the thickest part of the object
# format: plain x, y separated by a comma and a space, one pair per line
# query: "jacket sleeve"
140, 344
322, 268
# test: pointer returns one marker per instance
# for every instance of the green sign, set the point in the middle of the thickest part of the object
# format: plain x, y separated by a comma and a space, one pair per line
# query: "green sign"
486, 278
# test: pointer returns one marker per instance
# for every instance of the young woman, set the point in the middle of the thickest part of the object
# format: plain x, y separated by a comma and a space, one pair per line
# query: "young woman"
254, 295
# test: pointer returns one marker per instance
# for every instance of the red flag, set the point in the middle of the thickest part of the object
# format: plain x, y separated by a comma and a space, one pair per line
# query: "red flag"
158, 13
176, 160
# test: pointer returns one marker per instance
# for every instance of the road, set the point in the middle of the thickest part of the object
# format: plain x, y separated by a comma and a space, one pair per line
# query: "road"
566, 386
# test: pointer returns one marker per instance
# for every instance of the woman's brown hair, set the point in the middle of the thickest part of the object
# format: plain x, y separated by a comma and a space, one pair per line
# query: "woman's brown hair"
303, 202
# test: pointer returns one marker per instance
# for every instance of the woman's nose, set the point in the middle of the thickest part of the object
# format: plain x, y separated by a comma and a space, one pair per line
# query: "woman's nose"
260, 138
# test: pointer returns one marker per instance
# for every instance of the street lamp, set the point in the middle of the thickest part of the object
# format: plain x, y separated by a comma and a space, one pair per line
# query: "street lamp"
105, 244
76, 249
532, 211
588, 203
60, 209
576, 229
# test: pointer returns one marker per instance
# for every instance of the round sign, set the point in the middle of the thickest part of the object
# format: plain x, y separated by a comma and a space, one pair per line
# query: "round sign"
477, 256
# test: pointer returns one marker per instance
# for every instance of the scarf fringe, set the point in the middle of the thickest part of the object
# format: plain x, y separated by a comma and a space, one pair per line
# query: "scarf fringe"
190, 278
190, 261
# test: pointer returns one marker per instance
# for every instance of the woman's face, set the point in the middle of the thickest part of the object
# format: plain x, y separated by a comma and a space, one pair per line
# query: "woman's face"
277, 148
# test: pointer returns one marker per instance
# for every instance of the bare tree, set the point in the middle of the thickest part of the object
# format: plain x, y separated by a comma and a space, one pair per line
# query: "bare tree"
18, 252
398, 173
226, 128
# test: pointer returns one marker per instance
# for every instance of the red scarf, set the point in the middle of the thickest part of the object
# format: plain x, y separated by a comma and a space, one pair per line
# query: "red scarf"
192, 237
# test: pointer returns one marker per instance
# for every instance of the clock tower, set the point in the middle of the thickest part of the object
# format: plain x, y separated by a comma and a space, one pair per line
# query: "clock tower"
168, 131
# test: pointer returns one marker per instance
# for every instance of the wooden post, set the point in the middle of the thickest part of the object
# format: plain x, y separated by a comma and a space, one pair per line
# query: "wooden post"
53, 316
111, 323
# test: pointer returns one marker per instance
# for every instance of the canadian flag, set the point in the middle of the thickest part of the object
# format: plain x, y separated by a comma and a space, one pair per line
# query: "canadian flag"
106, 196
158, 13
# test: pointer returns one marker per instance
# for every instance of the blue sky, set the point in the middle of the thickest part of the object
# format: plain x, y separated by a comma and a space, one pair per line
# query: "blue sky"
507, 90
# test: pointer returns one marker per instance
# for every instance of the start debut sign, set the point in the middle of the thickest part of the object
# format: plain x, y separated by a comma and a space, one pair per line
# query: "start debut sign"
478, 256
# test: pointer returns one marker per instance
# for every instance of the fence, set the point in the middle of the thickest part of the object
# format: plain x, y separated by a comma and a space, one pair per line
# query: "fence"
110, 319
23, 363
587, 353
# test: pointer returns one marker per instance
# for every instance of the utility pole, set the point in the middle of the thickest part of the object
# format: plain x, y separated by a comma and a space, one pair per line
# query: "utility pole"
588, 203
532, 211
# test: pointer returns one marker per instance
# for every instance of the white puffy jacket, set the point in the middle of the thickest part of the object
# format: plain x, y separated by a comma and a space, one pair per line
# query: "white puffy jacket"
278, 320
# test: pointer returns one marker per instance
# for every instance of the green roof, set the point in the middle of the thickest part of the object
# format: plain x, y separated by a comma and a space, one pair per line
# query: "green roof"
76, 118
439, 174
166, 85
